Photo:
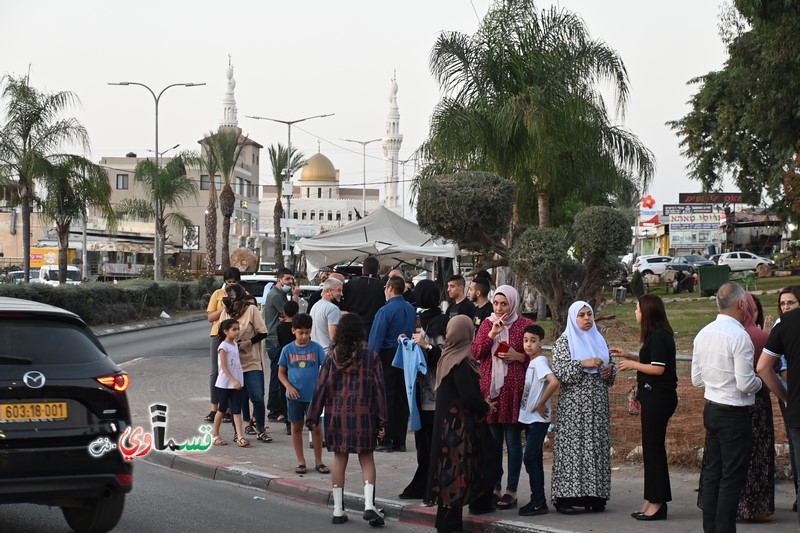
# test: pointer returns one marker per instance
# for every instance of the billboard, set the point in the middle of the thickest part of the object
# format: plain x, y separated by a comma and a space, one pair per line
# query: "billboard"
710, 198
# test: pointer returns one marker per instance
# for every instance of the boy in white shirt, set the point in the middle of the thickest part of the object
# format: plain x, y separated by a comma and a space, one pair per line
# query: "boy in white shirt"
534, 412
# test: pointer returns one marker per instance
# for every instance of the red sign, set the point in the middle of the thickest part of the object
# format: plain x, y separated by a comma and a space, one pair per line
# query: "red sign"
710, 198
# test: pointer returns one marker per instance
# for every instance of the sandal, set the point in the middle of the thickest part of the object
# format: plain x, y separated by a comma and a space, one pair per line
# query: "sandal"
506, 502
322, 469
250, 429
242, 442
210, 416
300, 469
226, 418
263, 437
219, 441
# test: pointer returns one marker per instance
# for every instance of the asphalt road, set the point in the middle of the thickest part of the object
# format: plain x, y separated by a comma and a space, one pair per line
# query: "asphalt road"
167, 501
190, 339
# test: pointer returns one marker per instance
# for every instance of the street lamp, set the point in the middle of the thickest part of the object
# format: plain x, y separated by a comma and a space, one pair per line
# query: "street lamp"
364, 169
165, 151
288, 192
158, 266
287, 176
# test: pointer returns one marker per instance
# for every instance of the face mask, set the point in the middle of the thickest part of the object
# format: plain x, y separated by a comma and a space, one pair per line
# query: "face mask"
286, 288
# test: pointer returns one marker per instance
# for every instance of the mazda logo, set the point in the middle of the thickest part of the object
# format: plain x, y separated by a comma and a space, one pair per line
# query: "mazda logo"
34, 379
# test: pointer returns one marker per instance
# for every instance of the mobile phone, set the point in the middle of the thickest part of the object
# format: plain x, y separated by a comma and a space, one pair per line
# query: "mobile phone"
502, 348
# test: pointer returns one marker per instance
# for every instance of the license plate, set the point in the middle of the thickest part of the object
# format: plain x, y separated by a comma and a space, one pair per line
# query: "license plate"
33, 412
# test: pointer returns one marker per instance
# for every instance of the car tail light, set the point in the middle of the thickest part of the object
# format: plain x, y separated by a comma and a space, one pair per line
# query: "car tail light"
118, 382
125, 479
720, 260
637, 265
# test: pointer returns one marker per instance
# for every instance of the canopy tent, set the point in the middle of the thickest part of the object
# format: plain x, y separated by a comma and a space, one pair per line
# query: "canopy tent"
384, 234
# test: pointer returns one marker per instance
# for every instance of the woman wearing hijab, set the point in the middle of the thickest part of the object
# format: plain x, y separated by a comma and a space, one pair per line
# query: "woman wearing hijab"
581, 454
499, 349
241, 306
657, 382
463, 462
757, 500
431, 339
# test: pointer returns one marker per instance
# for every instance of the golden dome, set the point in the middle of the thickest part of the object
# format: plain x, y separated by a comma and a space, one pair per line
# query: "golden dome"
318, 168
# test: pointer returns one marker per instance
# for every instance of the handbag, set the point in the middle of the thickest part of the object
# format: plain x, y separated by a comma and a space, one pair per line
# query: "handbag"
633, 404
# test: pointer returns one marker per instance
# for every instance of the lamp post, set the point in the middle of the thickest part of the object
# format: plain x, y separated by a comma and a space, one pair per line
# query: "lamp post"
158, 260
287, 176
364, 171
288, 192
165, 151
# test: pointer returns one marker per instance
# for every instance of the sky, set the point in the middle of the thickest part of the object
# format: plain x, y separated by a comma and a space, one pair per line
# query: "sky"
307, 57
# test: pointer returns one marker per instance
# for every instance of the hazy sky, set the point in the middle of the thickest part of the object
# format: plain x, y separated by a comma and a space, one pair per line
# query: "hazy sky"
298, 58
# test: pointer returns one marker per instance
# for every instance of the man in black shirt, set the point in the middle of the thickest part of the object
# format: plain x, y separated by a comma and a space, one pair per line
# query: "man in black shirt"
456, 290
364, 295
478, 294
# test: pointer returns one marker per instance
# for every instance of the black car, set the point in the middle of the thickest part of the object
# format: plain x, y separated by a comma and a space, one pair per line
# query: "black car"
62, 407
688, 263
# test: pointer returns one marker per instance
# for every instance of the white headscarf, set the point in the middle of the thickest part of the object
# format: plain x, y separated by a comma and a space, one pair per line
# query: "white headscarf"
499, 368
584, 344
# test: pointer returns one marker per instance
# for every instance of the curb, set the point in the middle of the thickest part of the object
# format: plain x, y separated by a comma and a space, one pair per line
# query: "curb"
410, 514
125, 328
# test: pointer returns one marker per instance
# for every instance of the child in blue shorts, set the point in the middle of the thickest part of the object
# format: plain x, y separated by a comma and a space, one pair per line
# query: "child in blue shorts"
298, 368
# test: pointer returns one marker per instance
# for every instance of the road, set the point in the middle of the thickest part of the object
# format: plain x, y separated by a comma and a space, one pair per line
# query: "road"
164, 501
190, 339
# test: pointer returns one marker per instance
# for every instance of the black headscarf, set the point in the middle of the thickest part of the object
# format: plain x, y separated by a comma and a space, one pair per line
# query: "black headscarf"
427, 296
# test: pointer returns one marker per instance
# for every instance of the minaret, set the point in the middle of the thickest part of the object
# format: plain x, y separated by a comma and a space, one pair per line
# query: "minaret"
391, 149
229, 101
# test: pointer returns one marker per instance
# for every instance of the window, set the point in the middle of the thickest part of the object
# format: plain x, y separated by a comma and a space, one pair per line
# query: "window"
312, 214
321, 215
122, 181
308, 192
303, 215
349, 216
319, 192
330, 193
338, 216
330, 215
294, 214
205, 183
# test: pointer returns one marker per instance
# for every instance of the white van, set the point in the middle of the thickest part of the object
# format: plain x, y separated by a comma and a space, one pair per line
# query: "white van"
49, 274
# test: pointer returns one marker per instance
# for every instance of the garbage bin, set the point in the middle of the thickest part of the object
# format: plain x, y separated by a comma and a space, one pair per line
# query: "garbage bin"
619, 293
711, 278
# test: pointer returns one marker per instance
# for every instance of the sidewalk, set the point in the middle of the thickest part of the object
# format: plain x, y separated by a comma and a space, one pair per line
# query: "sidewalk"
182, 384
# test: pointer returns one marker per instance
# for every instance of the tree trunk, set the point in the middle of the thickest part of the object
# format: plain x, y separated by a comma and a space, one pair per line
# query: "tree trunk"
543, 207
25, 203
277, 214
211, 225
227, 200
161, 227
63, 246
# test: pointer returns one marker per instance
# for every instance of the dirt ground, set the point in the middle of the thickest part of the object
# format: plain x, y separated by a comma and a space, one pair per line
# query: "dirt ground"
685, 435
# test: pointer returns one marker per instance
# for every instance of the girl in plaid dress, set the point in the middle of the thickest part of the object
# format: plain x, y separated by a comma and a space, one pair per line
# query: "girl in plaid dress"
351, 390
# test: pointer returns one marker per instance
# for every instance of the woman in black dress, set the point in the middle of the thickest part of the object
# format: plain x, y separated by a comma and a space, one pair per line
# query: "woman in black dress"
657, 383
463, 463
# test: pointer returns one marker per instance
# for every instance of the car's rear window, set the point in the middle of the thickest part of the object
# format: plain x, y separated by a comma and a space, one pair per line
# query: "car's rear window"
46, 341
256, 288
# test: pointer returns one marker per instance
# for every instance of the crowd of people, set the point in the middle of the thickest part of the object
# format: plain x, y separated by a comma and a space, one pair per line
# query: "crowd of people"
374, 357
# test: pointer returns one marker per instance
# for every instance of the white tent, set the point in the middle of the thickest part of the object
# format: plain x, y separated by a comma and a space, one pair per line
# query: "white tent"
384, 234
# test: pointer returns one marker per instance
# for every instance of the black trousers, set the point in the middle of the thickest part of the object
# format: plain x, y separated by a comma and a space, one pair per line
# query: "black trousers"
449, 519
658, 405
729, 441
420, 486
396, 401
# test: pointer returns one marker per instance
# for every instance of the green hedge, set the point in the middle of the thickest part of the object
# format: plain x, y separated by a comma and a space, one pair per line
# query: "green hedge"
103, 303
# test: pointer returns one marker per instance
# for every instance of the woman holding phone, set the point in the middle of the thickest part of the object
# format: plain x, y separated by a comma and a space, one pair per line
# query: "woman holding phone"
499, 349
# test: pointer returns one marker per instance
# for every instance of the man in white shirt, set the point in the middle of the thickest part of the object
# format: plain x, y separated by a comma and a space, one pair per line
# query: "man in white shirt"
723, 364
325, 314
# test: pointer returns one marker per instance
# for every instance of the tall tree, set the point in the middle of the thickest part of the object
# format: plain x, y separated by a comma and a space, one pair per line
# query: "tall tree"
278, 156
69, 187
170, 186
31, 138
227, 145
745, 118
522, 100
208, 164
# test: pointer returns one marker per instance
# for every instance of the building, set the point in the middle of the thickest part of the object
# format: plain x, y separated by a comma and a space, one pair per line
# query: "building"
391, 152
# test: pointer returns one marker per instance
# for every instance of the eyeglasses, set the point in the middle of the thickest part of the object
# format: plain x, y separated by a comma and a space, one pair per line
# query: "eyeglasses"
789, 303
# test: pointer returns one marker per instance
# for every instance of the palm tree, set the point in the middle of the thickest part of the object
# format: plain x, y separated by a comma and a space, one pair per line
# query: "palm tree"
277, 158
169, 186
208, 164
30, 139
521, 100
70, 186
227, 145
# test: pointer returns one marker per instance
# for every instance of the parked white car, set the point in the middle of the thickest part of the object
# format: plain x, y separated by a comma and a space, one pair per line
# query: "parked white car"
49, 274
738, 261
651, 264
